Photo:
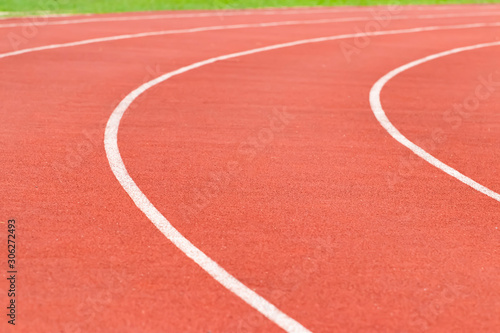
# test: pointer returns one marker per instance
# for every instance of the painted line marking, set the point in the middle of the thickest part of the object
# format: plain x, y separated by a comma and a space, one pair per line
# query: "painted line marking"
142, 202
175, 16
227, 27
381, 116
164, 16
279, 10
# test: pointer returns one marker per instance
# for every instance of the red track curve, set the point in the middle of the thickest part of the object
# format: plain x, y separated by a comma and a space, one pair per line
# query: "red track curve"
314, 222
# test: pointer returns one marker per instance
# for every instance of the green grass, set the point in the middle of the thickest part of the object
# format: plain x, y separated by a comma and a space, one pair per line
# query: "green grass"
107, 6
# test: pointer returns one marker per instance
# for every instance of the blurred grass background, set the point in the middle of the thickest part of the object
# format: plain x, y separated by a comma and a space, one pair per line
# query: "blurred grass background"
107, 6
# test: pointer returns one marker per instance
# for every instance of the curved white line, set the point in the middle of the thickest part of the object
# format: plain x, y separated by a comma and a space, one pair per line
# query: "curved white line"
271, 10
175, 16
171, 32
39, 21
379, 112
220, 13
340, 19
143, 203
208, 13
179, 14
241, 26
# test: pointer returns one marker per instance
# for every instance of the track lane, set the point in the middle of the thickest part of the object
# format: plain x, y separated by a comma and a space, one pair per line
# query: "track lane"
91, 88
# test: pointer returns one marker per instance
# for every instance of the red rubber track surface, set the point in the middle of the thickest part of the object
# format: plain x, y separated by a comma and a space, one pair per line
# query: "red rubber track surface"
330, 219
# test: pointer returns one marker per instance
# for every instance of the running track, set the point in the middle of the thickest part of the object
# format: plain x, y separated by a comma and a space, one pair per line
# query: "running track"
273, 159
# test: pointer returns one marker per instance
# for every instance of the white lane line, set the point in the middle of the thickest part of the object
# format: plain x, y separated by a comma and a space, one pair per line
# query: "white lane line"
266, 24
142, 202
211, 13
164, 32
277, 11
226, 27
176, 16
179, 14
245, 12
379, 112
41, 21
